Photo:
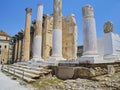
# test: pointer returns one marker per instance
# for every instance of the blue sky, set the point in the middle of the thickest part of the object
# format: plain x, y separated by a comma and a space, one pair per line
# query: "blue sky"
12, 13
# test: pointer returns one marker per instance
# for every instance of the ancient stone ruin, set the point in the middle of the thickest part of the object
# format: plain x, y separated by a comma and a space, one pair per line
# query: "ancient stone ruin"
40, 40
49, 45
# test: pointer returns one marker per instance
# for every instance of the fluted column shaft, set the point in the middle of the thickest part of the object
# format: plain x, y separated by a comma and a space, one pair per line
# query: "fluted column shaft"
89, 31
27, 34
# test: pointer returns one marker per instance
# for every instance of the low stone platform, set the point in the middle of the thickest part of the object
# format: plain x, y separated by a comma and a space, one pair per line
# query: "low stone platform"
30, 71
83, 70
27, 72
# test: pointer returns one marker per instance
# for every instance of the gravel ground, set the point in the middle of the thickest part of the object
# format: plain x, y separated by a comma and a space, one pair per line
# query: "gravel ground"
6, 83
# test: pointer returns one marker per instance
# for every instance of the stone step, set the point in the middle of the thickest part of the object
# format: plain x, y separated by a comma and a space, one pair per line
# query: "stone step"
27, 70
41, 69
30, 75
28, 67
45, 71
27, 79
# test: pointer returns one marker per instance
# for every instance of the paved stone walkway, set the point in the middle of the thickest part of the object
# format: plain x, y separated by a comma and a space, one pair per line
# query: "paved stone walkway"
6, 83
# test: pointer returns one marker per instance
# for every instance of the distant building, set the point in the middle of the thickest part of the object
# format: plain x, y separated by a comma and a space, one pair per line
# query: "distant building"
79, 51
5, 47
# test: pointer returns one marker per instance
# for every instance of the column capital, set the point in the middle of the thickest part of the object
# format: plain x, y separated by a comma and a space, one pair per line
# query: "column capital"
88, 11
20, 35
40, 4
28, 10
16, 37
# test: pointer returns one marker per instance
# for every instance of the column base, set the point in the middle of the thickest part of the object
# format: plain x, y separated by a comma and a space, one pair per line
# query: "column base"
91, 59
34, 62
37, 58
112, 58
54, 60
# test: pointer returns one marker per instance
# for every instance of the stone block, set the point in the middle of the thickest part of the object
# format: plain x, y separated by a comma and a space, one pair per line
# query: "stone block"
91, 59
64, 72
111, 70
83, 72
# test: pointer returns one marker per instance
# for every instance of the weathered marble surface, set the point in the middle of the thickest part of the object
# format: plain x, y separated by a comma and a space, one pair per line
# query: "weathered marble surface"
57, 16
89, 36
57, 43
37, 48
89, 31
90, 53
38, 34
57, 32
40, 12
111, 46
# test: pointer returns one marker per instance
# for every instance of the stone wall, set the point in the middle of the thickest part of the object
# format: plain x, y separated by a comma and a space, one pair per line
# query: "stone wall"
47, 36
4, 50
86, 70
109, 46
69, 38
31, 41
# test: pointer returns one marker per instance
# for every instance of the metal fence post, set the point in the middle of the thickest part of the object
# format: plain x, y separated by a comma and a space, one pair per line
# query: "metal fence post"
14, 71
23, 75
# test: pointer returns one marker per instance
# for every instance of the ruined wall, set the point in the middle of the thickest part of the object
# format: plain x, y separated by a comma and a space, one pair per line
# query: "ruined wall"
47, 36
32, 31
69, 37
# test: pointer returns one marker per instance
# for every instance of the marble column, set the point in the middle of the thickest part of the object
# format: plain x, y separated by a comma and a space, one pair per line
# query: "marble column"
38, 34
89, 31
90, 53
27, 34
57, 31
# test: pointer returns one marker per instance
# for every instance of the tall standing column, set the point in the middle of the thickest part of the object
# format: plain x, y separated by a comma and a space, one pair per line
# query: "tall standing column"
57, 31
89, 31
90, 53
27, 34
19, 42
20, 45
38, 34
22, 49
16, 49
